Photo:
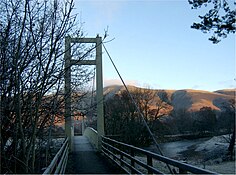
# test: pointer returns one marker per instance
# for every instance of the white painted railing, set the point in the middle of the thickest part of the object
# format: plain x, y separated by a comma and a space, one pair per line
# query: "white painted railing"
92, 135
58, 164
124, 156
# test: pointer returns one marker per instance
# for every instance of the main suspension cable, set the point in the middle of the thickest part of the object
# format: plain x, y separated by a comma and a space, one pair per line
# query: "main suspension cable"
137, 108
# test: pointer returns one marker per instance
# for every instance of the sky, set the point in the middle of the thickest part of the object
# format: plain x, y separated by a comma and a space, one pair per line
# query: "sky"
153, 45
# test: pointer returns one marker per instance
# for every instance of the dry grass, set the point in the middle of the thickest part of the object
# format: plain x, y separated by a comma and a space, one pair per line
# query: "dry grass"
199, 98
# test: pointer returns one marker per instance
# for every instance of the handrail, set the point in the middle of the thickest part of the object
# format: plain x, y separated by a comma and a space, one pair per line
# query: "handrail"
92, 135
58, 164
129, 151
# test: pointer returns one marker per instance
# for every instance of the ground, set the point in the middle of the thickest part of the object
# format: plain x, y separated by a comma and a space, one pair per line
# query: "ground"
208, 153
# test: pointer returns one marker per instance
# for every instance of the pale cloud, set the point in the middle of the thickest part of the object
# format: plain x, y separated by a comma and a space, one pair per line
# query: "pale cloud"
107, 10
109, 82
196, 87
228, 83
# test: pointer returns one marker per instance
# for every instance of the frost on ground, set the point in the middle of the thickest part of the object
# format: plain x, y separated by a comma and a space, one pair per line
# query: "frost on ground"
216, 143
223, 167
213, 150
208, 153
211, 154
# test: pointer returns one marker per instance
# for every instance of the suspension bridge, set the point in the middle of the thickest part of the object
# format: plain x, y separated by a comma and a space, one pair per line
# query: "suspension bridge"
95, 153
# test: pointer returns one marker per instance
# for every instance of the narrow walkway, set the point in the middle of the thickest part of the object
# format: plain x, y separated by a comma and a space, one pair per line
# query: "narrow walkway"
88, 161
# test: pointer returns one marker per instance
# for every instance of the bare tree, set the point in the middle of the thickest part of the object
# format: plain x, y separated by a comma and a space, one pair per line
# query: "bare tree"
121, 114
153, 104
162, 104
123, 120
231, 148
144, 98
31, 50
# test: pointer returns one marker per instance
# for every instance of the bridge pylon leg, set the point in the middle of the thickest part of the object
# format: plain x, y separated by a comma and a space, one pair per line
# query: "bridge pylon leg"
69, 121
99, 92
69, 124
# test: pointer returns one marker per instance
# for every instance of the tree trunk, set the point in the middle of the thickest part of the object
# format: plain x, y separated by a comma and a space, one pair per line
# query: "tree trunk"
231, 145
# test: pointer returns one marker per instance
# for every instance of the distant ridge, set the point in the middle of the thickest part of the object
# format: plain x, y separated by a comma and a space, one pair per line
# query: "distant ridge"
227, 91
189, 99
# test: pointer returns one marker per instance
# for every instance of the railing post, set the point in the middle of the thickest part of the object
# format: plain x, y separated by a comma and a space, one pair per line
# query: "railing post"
182, 171
129, 160
149, 162
121, 158
132, 161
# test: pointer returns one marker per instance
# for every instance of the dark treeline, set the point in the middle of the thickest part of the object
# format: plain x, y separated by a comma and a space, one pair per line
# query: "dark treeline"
123, 122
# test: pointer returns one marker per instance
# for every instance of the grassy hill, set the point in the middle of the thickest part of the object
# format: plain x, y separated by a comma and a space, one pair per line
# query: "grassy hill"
190, 99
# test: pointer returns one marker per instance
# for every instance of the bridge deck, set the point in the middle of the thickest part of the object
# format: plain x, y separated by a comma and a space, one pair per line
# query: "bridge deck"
87, 161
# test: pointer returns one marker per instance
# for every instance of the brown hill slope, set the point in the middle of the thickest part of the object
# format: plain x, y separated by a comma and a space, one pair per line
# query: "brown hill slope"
189, 99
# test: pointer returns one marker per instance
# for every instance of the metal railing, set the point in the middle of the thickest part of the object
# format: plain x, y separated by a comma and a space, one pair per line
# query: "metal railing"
92, 135
59, 162
124, 156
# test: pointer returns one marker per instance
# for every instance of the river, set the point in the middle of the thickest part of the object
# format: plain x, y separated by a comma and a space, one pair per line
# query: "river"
178, 149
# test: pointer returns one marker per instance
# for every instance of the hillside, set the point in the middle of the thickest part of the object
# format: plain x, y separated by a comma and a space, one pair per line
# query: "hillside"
189, 99
227, 91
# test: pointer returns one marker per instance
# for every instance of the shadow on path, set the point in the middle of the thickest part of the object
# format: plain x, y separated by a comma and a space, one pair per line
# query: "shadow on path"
86, 160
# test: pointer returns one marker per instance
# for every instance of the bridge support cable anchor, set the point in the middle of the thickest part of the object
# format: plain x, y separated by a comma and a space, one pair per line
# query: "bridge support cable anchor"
137, 108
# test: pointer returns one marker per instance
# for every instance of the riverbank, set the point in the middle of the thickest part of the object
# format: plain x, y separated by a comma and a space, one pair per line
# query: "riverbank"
209, 153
